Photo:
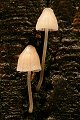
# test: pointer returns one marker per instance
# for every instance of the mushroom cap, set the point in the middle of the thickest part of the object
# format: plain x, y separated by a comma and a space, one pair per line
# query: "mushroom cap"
29, 60
47, 20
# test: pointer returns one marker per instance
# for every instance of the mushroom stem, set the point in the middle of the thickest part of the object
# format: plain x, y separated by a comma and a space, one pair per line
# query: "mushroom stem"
43, 60
30, 92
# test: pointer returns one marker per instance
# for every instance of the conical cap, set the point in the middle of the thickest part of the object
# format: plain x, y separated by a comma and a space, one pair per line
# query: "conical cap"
29, 60
47, 20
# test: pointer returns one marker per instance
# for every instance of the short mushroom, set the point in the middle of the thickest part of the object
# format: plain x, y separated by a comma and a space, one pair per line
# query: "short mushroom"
46, 22
29, 61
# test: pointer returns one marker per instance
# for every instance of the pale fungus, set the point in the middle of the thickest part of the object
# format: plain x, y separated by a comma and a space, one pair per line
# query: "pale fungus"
29, 61
46, 22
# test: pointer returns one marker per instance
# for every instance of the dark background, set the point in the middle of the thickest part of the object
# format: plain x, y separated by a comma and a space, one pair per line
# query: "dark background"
59, 96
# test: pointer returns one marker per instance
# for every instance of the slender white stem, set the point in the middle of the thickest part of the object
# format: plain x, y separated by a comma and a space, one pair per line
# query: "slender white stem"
43, 60
30, 92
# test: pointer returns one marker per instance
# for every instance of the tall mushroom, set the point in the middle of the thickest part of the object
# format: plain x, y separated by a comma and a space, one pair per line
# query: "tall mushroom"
46, 22
29, 61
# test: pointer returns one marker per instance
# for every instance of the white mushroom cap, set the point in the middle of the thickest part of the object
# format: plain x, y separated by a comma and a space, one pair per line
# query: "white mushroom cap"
47, 20
29, 60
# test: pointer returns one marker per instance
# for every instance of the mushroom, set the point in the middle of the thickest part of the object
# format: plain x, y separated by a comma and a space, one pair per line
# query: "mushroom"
29, 61
46, 22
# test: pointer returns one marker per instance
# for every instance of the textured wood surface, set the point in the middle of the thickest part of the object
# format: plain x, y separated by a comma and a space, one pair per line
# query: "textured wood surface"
59, 97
